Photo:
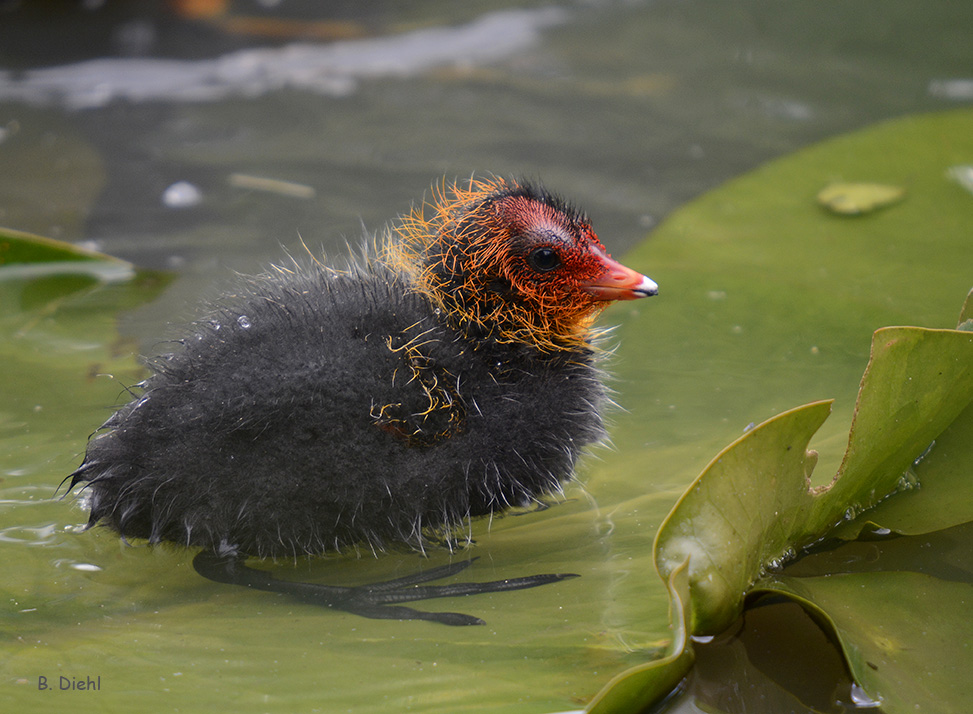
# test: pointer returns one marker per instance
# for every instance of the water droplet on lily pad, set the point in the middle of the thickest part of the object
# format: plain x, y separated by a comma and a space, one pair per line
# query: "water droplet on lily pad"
855, 199
861, 699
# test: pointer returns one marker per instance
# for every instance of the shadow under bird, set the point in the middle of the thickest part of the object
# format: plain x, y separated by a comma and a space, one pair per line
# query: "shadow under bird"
449, 373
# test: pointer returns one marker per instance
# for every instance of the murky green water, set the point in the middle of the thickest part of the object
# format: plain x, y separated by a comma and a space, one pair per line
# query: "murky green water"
630, 109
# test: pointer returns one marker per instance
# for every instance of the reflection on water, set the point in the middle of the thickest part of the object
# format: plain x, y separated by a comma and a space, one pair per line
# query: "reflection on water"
775, 659
329, 69
24, 535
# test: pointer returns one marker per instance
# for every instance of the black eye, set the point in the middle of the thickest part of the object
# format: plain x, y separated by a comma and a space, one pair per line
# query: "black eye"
544, 260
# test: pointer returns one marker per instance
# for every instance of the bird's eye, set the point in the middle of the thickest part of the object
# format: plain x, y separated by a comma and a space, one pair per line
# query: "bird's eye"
544, 260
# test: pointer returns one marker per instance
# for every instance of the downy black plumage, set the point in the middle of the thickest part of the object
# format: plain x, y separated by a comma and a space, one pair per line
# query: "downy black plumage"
315, 409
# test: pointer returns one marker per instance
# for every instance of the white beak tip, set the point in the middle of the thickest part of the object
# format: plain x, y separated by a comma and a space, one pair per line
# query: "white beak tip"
647, 287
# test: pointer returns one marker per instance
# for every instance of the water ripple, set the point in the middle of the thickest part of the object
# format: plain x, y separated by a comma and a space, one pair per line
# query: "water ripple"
332, 69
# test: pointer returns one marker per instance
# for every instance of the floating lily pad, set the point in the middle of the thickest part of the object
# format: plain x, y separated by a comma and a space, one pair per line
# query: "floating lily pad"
753, 507
57, 332
905, 635
758, 502
36, 272
24, 255
638, 688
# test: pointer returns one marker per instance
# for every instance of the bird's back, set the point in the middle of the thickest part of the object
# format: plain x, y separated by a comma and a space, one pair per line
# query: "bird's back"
318, 409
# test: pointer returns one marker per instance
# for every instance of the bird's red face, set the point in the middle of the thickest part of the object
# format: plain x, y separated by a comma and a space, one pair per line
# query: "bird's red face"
516, 262
555, 259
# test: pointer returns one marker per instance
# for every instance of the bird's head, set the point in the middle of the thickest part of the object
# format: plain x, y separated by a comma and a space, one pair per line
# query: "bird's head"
512, 263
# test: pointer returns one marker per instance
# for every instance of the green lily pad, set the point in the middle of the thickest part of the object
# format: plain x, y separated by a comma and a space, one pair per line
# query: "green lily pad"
58, 334
753, 506
915, 655
35, 270
937, 493
758, 502
637, 689
24, 256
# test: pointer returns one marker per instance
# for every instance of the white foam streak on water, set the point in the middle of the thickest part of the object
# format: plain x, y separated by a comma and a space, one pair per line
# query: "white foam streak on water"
330, 69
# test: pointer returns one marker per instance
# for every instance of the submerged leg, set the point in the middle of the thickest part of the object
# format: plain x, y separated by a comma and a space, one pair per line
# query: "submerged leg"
377, 600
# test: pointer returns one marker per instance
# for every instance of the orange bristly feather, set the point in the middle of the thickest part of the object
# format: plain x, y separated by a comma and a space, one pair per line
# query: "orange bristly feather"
453, 247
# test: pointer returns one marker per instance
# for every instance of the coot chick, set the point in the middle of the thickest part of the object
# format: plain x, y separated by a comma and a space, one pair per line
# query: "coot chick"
447, 374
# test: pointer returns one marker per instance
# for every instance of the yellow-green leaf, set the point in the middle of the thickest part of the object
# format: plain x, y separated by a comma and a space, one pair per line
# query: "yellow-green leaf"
855, 199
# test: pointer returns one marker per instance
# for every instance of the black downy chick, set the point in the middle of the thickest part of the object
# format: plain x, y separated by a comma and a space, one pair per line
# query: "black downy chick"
449, 376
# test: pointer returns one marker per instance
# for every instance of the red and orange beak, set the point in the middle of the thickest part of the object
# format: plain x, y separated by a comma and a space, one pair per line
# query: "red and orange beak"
618, 282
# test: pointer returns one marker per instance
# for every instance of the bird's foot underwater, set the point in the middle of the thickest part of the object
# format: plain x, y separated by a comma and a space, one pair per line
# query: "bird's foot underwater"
376, 600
